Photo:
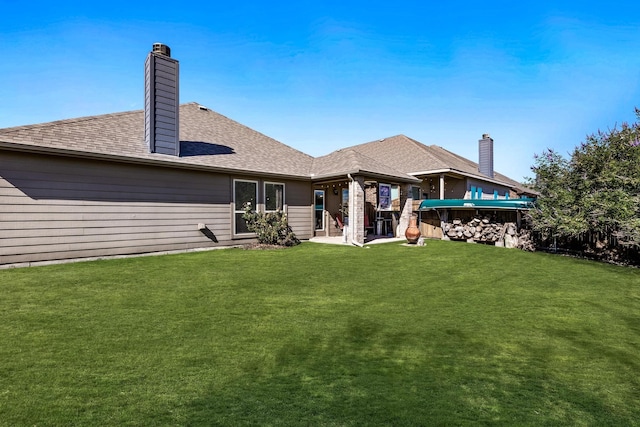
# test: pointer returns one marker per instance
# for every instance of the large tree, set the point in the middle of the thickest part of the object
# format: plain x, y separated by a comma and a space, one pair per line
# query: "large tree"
596, 191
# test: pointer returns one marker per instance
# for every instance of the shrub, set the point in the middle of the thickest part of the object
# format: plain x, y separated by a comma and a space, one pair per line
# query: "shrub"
271, 228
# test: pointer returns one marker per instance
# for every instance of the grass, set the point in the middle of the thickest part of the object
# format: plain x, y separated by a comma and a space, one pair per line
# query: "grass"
446, 334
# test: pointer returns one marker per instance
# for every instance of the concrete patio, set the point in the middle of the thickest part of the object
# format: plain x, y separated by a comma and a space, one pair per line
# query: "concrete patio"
339, 240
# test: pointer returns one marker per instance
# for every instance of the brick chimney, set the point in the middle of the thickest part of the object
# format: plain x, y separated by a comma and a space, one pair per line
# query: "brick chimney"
485, 155
161, 102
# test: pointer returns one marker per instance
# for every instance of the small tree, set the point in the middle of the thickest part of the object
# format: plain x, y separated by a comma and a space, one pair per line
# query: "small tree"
271, 228
556, 207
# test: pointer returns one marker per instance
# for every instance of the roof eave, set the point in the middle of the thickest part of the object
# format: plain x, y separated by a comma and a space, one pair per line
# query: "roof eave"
63, 152
467, 174
369, 174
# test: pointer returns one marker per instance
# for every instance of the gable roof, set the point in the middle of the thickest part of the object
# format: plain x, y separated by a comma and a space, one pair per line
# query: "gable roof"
414, 158
465, 165
400, 152
349, 161
207, 140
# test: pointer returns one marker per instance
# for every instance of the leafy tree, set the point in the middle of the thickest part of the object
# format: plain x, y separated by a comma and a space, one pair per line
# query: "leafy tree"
555, 213
596, 192
606, 170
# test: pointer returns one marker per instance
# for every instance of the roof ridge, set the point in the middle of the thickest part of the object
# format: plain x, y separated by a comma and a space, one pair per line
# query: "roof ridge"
419, 144
355, 152
209, 110
79, 119
65, 121
457, 156
370, 142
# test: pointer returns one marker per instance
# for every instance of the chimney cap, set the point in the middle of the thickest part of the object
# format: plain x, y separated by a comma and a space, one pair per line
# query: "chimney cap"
486, 136
162, 49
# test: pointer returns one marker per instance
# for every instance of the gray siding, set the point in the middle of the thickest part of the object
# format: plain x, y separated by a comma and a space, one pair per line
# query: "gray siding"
485, 156
59, 208
487, 189
299, 198
161, 104
454, 188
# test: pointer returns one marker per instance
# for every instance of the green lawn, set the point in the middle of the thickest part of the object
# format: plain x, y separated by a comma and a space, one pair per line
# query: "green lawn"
446, 334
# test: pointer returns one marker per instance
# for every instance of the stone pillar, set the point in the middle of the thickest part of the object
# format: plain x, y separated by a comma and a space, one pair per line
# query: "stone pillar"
444, 218
328, 221
356, 210
441, 186
406, 208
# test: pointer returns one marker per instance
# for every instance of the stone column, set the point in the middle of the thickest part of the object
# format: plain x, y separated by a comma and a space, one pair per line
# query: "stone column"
406, 208
444, 218
356, 210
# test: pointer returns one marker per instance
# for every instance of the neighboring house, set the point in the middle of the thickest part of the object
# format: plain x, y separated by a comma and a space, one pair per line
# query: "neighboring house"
443, 174
438, 173
173, 177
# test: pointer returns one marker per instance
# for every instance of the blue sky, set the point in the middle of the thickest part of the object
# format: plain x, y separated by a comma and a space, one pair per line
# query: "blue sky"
322, 75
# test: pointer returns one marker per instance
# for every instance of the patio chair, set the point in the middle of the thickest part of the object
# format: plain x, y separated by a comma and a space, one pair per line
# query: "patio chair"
368, 225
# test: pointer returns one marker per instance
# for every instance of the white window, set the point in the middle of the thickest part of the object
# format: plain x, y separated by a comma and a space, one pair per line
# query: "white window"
273, 197
244, 193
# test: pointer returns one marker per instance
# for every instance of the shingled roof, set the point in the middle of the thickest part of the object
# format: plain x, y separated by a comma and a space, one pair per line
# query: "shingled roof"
207, 140
467, 166
211, 141
401, 153
414, 158
349, 161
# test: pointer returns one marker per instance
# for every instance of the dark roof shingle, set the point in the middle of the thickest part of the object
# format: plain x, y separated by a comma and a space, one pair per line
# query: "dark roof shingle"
412, 157
213, 141
349, 161
207, 139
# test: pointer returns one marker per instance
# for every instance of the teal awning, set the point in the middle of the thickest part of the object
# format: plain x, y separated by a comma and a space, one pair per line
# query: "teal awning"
477, 204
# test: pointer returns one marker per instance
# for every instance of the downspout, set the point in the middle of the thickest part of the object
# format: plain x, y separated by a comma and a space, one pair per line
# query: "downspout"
353, 241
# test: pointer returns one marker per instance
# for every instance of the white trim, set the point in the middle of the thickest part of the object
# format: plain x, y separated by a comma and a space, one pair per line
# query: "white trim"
324, 207
237, 211
465, 174
431, 172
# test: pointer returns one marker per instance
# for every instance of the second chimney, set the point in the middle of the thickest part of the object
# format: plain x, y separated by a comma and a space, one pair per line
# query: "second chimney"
485, 155
161, 102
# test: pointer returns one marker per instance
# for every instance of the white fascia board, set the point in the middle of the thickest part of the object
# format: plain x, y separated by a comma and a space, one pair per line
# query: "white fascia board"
467, 174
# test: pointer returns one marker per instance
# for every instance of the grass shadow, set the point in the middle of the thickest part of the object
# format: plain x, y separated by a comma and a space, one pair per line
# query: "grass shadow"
370, 375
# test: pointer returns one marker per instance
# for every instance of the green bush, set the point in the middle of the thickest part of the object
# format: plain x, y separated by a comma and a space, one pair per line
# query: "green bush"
271, 228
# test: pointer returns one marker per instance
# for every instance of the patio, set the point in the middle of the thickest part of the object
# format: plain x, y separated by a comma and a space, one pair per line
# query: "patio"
370, 240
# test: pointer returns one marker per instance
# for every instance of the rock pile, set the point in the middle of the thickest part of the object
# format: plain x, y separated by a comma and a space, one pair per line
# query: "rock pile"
484, 230
525, 241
